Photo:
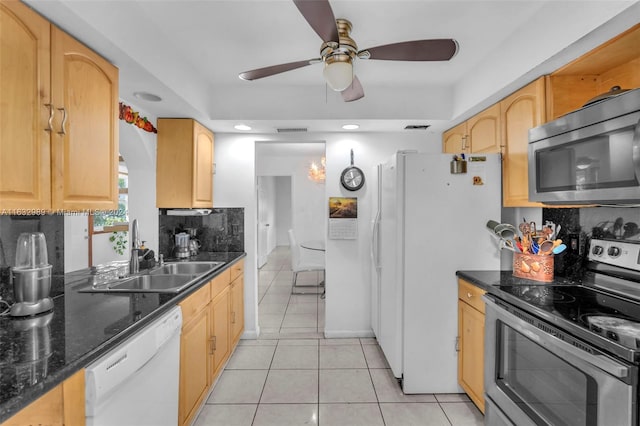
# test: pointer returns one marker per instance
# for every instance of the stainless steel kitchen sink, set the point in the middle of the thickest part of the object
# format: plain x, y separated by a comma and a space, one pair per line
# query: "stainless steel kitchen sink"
154, 283
185, 268
169, 278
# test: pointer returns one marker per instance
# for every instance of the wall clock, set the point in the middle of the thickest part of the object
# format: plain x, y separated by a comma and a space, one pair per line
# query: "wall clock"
352, 178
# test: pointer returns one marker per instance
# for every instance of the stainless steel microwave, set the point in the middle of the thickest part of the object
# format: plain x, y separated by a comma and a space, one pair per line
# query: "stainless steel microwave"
589, 156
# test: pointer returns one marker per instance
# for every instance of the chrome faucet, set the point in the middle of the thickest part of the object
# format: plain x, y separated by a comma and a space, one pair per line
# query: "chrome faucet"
134, 262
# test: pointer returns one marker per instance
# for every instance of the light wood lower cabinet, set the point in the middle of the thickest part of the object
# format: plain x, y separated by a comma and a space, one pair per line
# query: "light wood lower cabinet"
237, 308
221, 341
62, 405
194, 355
213, 321
471, 342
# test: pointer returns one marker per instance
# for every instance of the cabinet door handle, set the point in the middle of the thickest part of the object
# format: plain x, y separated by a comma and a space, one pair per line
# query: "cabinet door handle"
50, 121
233, 317
63, 131
464, 142
213, 345
469, 295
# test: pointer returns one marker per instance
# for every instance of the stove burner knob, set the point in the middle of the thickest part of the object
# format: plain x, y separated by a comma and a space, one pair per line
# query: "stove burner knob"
614, 251
597, 250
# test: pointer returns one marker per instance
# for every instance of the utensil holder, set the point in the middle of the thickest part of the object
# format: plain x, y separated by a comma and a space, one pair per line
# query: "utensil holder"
533, 267
458, 167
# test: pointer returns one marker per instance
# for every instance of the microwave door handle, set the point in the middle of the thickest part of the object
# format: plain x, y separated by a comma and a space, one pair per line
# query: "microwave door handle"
548, 341
636, 150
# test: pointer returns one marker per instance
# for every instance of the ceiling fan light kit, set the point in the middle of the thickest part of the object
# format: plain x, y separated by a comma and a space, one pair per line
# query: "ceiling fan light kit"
338, 72
339, 50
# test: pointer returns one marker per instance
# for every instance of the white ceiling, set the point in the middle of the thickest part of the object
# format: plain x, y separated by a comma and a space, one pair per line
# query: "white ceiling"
190, 54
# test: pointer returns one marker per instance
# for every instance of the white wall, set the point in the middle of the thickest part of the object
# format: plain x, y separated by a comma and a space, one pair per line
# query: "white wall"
268, 211
348, 263
138, 148
308, 205
284, 220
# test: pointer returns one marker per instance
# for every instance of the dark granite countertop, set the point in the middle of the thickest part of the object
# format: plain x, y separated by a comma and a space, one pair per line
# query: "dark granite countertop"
38, 353
488, 280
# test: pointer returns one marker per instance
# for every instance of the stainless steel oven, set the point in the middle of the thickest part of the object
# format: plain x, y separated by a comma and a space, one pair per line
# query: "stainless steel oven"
567, 353
539, 375
590, 156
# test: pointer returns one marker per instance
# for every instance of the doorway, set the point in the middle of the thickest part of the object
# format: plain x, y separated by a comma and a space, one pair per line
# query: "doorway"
274, 214
287, 198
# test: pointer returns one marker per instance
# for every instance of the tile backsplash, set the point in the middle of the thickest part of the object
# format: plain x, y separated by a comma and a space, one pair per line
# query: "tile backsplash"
579, 225
220, 231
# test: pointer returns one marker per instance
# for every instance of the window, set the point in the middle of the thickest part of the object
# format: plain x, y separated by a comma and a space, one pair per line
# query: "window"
114, 220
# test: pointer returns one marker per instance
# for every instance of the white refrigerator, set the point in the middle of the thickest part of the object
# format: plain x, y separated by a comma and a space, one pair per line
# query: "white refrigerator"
428, 223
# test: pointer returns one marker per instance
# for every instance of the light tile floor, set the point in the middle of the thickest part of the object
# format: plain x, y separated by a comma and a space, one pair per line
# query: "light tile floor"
293, 376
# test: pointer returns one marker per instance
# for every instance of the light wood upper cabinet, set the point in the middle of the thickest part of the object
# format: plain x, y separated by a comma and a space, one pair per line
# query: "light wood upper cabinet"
85, 143
483, 131
454, 140
519, 112
471, 342
184, 166
58, 127
478, 135
614, 63
25, 90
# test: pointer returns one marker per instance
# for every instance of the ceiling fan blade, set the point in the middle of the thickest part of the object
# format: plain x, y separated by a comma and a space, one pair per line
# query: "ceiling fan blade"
319, 15
354, 91
417, 50
276, 69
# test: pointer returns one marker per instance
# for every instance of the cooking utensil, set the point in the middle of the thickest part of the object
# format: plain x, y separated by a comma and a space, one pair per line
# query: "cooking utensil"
547, 246
506, 231
615, 90
508, 244
491, 225
559, 249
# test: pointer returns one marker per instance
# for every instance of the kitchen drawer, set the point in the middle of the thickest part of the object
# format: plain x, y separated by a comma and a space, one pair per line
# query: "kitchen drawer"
237, 269
470, 294
220, 282
195, 303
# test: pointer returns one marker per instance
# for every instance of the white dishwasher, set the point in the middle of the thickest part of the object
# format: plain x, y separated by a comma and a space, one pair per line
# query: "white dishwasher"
136, 383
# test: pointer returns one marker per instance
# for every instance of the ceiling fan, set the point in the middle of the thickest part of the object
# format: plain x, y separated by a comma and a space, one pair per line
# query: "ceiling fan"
339, 50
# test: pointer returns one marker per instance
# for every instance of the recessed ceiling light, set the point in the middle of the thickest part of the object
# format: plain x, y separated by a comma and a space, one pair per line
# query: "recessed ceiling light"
350, 126
147, 96
242, 127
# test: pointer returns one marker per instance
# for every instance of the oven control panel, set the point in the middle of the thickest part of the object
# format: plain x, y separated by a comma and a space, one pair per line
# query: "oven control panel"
618, 253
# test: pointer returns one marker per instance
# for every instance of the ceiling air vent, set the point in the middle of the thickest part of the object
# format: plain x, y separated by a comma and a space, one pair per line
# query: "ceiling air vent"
292, 130
417, 127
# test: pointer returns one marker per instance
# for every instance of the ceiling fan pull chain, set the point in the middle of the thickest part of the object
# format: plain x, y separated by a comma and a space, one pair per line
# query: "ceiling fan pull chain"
352, 157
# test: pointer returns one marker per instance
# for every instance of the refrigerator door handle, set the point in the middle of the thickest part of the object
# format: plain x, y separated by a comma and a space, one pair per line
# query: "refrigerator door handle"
375, 257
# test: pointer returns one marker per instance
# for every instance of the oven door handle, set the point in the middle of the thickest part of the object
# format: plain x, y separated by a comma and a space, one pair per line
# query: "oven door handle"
550, 342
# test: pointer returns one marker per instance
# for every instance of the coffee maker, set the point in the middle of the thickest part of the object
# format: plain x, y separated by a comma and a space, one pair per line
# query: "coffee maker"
31, 276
